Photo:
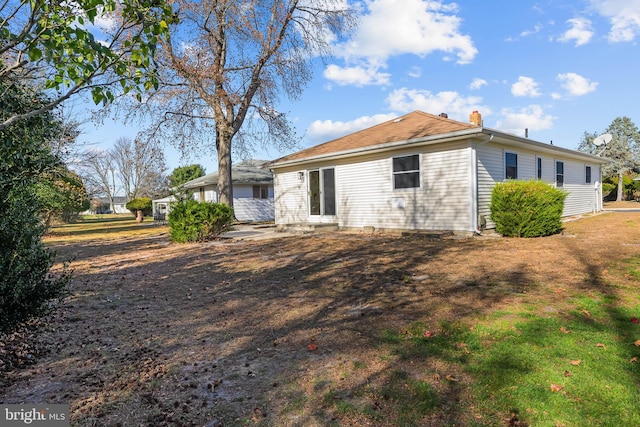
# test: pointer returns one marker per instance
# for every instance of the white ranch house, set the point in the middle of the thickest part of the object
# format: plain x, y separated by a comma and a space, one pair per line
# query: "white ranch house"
423, 172
252, 192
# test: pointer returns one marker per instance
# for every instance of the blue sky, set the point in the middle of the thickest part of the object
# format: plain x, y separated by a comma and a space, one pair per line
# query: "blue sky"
558, 68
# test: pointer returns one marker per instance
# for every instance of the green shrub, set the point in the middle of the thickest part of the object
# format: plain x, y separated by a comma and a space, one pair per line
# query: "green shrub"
143, 204
192, 221
26, 285
527, 208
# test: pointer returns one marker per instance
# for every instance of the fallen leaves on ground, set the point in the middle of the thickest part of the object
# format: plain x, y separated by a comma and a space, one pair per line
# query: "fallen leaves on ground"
601, 345
575, 362
555, 387
564, 330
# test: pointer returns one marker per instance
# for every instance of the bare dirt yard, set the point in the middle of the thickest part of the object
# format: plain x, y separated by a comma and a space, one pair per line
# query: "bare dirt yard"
290, 331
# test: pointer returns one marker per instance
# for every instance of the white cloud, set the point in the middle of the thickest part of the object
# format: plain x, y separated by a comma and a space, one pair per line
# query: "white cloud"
580, 31
105, 22
327, 130
415, 72
536, 29
415, 27
532, 117
575, 84
624, 16
477, 83
358, 76
452, 103
525, 86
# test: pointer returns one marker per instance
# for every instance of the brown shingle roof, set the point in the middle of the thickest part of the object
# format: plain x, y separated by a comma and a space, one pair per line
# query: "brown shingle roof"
417, 124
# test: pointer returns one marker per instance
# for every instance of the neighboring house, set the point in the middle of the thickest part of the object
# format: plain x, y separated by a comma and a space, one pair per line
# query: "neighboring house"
104, 206
252, 192
423, 172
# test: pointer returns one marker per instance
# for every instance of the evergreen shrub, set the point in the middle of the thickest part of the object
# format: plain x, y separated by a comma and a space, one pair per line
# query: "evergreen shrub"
143, 204
527, 208
193, 221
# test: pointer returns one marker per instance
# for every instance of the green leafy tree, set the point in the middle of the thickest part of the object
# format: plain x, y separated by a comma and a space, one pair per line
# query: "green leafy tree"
142, 204
184, 174
623, 150
51, 44
61, 194
26, 286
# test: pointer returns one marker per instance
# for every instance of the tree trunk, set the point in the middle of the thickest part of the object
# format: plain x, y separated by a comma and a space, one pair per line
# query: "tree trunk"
225, 188
620, 186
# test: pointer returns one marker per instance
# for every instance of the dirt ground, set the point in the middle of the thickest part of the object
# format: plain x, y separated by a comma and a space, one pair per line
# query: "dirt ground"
261, 332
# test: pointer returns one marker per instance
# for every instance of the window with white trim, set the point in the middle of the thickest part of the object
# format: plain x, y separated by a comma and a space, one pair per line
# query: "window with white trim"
510, 166
406, 172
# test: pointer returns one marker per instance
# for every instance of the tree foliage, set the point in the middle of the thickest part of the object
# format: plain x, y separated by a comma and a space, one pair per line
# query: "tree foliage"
623, 150
52, 45
143, 204
184, 174
26, 286
224, 65
61, 194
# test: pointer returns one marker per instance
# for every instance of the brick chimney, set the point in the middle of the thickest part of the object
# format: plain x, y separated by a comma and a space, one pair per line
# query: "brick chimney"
475, 118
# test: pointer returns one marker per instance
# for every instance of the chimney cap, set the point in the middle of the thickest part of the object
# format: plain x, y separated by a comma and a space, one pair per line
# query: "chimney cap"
444, 115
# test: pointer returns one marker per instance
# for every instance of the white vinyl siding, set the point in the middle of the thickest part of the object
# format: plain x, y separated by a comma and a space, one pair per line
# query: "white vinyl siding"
366, 195
253, 209
582, 197
290, 194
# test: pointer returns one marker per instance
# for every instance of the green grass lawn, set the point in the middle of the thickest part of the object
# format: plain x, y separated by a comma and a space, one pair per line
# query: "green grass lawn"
100, 227
574, 361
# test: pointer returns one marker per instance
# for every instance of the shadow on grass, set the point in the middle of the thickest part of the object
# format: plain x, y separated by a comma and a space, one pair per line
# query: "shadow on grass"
222, 332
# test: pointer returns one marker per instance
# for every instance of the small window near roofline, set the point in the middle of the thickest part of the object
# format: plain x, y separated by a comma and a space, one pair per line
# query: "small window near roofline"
406, 172
559, 173
539, 167
510, 166
587, 174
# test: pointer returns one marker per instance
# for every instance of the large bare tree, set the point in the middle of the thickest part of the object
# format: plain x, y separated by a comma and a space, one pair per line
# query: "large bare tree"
140, 165
224, 66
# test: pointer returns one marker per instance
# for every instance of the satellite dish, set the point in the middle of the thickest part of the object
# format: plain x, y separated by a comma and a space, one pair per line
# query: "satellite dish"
603, 139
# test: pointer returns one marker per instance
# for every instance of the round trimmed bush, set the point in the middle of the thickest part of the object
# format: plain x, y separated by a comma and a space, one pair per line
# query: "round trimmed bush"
527, 208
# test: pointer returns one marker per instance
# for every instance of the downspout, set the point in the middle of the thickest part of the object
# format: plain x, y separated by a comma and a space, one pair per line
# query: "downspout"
474, 212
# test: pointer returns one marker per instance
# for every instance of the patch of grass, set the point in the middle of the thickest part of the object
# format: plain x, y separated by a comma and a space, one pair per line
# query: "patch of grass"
412, 398
632, 267
107, 227
574, 366
574, 370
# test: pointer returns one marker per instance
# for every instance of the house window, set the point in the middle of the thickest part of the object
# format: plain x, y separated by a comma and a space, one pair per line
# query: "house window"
201, 191
539, 167
587, 174
559, 174
406, 172
510, 166
260, 192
